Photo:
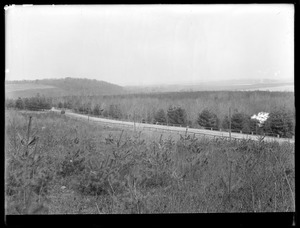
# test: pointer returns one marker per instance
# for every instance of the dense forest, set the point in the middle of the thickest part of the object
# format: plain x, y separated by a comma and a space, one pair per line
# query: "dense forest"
207, 109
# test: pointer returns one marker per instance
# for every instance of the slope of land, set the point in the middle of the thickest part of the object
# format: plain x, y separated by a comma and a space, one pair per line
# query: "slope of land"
229, 85
83, 167
60, 87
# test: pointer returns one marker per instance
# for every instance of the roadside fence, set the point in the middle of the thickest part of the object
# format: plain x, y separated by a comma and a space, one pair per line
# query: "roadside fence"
185, 128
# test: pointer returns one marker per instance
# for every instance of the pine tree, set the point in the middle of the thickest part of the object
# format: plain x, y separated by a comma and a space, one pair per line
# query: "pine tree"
281, 122
114, 111
239, 122
225, 122
60, 104
160, 116
253, 124
176, 115
19, 103
207, 119
9, 103
97, 110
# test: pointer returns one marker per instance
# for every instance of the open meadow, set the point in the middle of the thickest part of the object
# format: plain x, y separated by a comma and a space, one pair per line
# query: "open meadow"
58, 165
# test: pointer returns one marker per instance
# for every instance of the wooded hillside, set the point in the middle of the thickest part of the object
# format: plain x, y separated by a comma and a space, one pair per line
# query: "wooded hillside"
60, 87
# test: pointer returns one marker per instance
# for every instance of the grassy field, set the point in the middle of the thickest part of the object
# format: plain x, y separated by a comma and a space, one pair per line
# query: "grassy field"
57, 165
28, 86
14, 93
59, 87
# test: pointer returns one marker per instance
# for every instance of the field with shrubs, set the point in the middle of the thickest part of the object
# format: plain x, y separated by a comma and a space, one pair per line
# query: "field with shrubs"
202, 109
58, 165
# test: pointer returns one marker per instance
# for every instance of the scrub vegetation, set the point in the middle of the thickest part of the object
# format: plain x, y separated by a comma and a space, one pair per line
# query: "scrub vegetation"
58, 165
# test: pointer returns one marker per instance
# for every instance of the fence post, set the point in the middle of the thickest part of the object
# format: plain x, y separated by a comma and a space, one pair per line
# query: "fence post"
229, 122
28, 130
277, 136
134, 121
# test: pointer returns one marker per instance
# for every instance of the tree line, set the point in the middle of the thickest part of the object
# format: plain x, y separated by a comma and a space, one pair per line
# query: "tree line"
192, 111
33, 103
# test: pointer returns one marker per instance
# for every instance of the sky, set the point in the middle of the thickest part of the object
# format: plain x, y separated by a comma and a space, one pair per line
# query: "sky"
150, 44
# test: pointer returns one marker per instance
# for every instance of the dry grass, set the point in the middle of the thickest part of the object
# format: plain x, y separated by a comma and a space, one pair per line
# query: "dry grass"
94, 169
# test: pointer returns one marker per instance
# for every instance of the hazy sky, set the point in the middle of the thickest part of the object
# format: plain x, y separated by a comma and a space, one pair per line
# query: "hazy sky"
150, 44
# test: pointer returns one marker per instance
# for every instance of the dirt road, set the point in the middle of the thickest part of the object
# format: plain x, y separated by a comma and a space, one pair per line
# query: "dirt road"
171, 128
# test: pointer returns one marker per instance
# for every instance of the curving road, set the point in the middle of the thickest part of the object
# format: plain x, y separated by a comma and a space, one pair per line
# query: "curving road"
171, 128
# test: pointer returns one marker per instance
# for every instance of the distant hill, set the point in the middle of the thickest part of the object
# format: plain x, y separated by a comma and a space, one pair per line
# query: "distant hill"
60, 87
225, 85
